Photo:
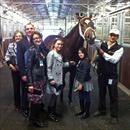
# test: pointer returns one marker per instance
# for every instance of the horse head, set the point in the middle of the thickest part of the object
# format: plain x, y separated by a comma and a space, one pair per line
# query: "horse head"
86, 30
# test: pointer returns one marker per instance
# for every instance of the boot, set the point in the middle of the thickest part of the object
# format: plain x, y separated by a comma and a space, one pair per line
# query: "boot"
81, 102
86, 114
34, 118
51, 116
38, 123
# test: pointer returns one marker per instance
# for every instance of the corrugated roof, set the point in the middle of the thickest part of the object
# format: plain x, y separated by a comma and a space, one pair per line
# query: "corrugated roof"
43, 9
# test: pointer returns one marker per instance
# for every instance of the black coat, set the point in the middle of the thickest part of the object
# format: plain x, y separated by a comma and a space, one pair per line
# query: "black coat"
36, 65
83, 70
22, 46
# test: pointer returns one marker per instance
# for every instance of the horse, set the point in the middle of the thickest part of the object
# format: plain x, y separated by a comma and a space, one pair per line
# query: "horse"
72, 42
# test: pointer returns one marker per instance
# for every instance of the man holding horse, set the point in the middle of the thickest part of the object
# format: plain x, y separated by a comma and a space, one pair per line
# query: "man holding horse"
110, 54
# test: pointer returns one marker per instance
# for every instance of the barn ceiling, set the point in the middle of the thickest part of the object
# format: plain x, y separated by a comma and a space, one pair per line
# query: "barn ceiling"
46, 9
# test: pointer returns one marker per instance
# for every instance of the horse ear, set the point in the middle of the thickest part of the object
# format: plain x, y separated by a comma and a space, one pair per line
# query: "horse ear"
80, 17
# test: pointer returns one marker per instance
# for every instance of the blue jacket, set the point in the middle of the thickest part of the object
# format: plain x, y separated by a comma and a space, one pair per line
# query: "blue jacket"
83, 70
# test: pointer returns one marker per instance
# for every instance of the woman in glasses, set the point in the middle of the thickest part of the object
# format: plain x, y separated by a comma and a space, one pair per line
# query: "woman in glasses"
35, 62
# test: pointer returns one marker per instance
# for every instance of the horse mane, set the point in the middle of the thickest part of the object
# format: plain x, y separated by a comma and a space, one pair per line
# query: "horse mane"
73, 41
72, 31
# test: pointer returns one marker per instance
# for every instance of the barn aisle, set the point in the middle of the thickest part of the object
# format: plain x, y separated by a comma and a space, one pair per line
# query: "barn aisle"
12, 120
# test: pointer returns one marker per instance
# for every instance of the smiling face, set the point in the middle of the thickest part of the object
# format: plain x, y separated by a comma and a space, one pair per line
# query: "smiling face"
58, 45
36, 39
29, 29
81, 54
112, 37
18, 36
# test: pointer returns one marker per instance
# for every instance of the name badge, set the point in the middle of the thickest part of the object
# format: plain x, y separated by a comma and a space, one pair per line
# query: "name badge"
41, 63
110, 81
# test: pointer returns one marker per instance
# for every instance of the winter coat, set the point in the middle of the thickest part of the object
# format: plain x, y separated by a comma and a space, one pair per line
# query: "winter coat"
36, 73
10, 56
83, 70
55, 66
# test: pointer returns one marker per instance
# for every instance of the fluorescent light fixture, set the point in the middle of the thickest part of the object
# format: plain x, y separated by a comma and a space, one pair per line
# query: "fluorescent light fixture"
48, 1
53, 14
107, 1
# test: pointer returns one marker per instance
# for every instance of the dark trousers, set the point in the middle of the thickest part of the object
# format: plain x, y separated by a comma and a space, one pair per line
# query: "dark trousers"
84, 100
35, 110
16, 87
113, 95
52, 104
25, 104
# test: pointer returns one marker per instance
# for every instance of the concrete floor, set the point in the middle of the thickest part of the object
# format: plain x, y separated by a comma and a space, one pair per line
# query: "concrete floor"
11, 120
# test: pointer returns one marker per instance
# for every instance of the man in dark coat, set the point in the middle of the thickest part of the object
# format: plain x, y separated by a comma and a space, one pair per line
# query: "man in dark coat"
22, 46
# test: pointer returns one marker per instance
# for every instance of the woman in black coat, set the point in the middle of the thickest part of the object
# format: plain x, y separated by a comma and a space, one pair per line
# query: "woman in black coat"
35, 60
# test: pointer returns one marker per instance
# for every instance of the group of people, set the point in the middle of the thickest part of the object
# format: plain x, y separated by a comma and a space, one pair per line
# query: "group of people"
37, 70
26, 57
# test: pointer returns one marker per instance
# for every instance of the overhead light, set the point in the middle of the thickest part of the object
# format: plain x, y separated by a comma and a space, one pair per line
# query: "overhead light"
107, 1
48, 1
120, 4
109, 8
53, 15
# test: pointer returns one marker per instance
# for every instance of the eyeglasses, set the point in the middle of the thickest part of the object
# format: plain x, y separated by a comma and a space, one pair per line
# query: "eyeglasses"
36, 38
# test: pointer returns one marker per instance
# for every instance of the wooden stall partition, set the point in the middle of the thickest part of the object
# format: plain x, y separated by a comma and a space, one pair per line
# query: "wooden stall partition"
124, 69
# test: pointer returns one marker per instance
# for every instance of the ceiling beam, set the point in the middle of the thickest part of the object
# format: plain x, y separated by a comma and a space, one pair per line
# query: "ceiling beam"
43, 3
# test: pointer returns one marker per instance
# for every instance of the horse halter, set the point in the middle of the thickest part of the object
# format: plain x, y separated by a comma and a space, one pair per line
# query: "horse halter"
88, 28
